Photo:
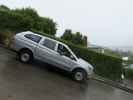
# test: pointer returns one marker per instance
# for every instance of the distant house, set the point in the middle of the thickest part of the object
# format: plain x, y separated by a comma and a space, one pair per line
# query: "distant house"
125, 58
96, 48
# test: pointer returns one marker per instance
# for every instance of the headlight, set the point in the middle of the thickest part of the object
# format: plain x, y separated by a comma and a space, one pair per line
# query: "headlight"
90, 69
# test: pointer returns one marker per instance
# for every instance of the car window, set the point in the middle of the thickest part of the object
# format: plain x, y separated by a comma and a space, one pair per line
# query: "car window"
63, 50
49, 44
33, 37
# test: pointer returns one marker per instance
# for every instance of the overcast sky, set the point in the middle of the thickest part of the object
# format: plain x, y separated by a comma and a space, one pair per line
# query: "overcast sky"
105, 22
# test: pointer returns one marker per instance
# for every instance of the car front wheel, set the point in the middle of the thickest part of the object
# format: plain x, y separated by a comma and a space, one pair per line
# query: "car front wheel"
79, 75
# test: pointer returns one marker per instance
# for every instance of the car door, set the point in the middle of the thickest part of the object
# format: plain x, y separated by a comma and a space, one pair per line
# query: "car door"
65, 57
46, 51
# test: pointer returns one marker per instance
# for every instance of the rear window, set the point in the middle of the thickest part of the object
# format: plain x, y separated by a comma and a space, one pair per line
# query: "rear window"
33, 37
49, 44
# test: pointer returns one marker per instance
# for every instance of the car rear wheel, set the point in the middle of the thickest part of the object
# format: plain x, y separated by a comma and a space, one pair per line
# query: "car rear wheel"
25, 56
79, 75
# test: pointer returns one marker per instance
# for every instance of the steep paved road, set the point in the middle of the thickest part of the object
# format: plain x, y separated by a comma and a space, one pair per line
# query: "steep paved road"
37, 81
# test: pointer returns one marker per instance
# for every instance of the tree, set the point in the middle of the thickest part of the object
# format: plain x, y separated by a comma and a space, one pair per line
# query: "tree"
67, 35
13, 22
47, 25
85, 41
38, 23
3, 7
29, 14
25, 19
76, 38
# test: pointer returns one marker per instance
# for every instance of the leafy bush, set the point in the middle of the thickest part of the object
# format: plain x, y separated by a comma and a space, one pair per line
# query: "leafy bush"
6, 37
129, 73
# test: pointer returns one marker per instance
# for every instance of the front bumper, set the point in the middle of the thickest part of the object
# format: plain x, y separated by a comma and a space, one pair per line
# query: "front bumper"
90, 75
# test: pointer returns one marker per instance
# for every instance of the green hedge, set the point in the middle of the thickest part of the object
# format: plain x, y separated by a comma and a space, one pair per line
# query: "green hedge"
104, 65
129, 73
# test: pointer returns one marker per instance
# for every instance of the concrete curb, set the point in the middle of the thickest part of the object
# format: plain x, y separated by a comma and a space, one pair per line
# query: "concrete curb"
6, 47
1, 45
119, 85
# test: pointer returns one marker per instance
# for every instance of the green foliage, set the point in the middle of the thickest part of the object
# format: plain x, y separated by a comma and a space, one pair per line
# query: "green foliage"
47, 25
129, 73
25, 19
67, 35
2, 7
13, 22
76, 38
6, 37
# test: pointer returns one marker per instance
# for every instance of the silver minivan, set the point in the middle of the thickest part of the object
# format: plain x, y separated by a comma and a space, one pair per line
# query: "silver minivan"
30, 46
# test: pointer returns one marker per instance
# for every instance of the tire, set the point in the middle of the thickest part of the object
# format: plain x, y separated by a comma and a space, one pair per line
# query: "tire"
25, 56
79, 75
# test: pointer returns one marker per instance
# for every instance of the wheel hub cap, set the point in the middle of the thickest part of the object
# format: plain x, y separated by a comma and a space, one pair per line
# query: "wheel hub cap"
25, 57
78, 76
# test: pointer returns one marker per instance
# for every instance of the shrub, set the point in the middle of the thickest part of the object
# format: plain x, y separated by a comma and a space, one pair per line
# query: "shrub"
5, 37
129, 73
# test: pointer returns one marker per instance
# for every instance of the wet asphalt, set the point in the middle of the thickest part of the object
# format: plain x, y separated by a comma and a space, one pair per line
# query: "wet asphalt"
40, 81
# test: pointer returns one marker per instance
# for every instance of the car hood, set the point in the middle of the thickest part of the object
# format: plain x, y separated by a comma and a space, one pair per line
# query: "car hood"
84, 63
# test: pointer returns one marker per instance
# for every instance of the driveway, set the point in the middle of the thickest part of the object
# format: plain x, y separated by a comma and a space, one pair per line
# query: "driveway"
38, 81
